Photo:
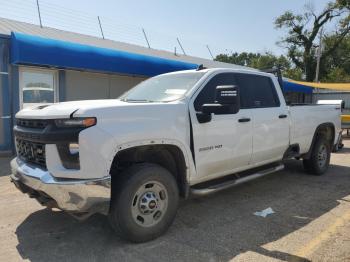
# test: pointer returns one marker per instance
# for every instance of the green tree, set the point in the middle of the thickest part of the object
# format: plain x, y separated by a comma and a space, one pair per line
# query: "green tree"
336, 66
304, 28
255, 60
294, 73
268, 60
337, 75
243, 59
263, 61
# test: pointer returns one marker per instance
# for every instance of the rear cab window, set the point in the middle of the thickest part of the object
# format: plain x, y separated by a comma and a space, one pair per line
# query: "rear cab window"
257, 91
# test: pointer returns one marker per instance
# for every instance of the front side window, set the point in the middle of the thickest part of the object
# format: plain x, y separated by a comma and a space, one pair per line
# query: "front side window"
37, 87
207, 94
163, 88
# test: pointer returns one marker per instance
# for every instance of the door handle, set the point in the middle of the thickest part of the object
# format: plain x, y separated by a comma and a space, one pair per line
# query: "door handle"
243, 120
282, 116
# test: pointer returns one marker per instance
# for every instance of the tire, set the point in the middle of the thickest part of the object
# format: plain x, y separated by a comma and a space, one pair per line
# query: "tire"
144, 202
318, 162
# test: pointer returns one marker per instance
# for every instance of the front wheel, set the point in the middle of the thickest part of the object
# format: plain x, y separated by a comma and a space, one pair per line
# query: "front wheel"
144, 202
318, 162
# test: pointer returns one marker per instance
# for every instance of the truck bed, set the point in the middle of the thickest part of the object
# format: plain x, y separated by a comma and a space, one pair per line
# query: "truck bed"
305, 118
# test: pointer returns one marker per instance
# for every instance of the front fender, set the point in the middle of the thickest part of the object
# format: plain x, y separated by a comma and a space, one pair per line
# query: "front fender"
184, 149
94, 152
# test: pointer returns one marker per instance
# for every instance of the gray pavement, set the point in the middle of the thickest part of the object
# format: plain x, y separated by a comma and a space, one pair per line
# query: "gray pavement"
312, 222
5, 166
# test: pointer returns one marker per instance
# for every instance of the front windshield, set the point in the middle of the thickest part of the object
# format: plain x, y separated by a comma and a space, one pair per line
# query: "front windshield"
163, 88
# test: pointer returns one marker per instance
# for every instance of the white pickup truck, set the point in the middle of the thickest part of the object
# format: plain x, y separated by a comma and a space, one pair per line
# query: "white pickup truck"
174, 135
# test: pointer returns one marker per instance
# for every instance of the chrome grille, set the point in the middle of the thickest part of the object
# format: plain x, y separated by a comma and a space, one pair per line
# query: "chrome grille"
31, 152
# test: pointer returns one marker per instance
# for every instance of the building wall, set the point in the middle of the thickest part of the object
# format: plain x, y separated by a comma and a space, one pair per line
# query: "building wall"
121, 84
86, 85
5, 101
72, 85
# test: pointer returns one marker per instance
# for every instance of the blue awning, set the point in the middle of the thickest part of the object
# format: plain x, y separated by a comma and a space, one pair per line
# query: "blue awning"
34, 50
293, 87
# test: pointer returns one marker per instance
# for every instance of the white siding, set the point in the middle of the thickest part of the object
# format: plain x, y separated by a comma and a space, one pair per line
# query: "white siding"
121, 84
85, 85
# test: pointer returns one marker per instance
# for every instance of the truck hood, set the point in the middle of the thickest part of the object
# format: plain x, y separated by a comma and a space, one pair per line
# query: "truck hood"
65, 109
90, 108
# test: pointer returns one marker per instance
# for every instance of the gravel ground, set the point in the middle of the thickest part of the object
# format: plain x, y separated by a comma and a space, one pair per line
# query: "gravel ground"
311, 223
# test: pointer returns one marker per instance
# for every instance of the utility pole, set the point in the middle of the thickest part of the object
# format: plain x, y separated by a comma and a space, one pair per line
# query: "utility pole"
319, 54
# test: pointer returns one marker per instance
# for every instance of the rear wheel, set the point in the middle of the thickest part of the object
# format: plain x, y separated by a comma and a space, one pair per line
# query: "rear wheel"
319, 159
144, 202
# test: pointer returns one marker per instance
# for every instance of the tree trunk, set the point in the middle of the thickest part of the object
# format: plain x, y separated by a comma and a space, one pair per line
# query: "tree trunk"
310, 68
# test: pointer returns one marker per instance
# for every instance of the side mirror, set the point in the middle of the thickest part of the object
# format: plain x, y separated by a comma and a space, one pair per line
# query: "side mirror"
217, 109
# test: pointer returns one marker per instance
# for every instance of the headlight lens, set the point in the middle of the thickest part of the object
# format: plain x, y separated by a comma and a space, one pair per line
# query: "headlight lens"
76, 122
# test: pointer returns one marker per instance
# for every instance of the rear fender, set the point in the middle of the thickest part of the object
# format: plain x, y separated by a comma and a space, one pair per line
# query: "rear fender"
319, 131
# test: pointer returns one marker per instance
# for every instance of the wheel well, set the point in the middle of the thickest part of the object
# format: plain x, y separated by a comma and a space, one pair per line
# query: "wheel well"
326, 130
168, 156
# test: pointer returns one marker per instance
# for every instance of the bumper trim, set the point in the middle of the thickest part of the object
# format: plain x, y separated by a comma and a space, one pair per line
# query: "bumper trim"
71, 195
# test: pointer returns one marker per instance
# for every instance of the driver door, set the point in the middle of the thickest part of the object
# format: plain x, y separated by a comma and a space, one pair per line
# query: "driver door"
224, 144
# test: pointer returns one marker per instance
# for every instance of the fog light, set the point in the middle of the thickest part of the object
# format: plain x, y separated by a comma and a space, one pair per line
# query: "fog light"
74, 148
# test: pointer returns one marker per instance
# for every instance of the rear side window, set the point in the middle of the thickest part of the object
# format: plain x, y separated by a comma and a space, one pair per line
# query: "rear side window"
257, 91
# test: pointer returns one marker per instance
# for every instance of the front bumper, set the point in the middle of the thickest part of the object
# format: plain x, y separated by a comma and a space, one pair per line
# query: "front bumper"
77, 196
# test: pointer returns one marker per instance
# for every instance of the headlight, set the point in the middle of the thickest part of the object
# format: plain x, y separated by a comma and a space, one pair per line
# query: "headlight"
76, 122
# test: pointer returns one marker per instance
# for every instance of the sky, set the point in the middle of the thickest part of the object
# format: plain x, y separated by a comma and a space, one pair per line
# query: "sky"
223, 25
